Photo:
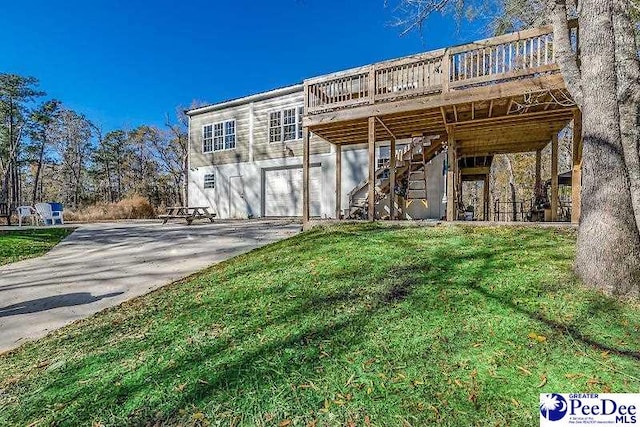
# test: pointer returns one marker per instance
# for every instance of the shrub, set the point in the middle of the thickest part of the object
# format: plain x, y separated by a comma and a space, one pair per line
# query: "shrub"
134, 207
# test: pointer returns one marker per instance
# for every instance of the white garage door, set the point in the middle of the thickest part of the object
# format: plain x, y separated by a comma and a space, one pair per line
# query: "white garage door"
283, 192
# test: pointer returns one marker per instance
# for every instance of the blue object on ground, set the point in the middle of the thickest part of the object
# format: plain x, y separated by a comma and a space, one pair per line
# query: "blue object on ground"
56, 207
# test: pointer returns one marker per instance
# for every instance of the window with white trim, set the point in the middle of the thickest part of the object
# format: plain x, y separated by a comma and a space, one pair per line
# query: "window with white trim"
230, 135
275, 126
209, 181
207, 138
382, 161
285, 125
384, 154
219, 136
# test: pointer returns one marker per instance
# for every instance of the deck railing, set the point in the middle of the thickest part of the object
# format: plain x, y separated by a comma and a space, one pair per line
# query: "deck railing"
510, 56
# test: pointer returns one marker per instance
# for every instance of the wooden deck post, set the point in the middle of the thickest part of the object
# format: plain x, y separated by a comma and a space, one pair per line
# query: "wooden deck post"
372, 168
554, 178
451, 175
392, 180
338, 181
446, 74
576, 173
486, 197
305, 177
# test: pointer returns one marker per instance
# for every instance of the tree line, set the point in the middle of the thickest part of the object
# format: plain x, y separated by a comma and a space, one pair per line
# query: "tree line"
50, 152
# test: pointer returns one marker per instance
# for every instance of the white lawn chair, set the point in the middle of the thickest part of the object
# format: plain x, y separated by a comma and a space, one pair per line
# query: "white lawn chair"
46, 214
26, 212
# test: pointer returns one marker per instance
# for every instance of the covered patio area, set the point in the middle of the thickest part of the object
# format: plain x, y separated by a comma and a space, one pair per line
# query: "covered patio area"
495, 96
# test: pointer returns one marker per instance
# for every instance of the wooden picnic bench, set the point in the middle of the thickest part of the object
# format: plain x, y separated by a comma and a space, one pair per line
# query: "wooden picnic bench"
188, 213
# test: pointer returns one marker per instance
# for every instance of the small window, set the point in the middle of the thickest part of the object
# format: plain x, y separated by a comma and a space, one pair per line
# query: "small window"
209, 181
285, 125
207, 139
229, 135
383, 156
219, 136
275, 127
290, 123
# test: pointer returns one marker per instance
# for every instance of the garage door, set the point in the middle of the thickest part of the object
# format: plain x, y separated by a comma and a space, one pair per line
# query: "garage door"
283, 191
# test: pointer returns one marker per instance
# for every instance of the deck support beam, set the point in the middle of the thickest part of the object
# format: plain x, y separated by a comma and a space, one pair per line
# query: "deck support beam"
392, 180
554, 178
338, 181
538, 182
576, 173
305, 177
451, 174
372, 168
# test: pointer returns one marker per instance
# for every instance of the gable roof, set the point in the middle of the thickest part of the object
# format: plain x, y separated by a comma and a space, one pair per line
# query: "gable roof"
286, 90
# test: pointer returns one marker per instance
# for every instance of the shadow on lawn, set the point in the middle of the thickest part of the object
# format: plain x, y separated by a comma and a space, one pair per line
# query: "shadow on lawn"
598, 304
334, 320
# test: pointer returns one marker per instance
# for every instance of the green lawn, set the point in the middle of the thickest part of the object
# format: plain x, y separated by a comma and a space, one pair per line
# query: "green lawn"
18, 245
356, 324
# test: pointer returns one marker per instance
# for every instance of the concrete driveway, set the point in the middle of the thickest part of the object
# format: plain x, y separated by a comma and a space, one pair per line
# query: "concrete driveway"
101, 265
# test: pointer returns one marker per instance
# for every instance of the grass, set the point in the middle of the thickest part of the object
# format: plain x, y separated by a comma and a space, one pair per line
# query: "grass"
353, 325
19, 245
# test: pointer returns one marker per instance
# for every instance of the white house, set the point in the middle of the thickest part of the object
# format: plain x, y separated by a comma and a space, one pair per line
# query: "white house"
245, 161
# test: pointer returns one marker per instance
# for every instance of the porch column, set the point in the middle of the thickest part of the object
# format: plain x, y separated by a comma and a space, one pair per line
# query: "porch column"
538, 183
392, 180
576, 172
451, 175
485, 197
372, 167
305, 177
554, 178
338, 181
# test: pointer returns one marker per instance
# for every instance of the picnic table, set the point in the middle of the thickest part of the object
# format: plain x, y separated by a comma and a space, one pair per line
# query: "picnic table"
188, 213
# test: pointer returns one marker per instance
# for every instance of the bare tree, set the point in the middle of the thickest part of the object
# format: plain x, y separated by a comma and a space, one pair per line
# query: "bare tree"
73, 144
16, 94
176, 155
42, 121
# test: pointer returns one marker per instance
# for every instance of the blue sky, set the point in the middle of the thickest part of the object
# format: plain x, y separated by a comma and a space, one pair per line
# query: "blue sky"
125, 63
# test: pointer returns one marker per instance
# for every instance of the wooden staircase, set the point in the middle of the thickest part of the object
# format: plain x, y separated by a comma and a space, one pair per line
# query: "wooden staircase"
411, 163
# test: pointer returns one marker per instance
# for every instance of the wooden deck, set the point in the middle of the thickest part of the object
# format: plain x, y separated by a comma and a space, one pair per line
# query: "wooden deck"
499, 95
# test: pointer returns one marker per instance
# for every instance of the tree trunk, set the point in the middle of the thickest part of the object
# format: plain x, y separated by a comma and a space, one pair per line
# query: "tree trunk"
185, 180
628, 76
34, 197
109, 186
608, 249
